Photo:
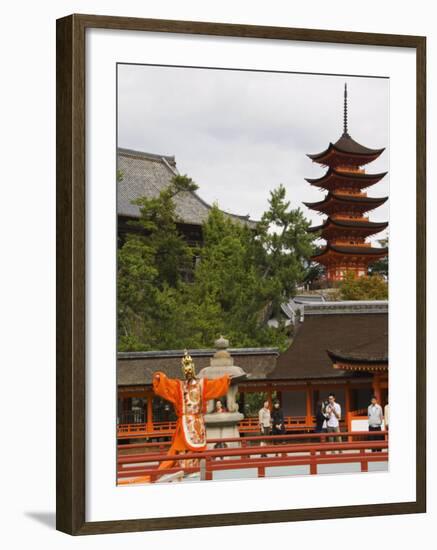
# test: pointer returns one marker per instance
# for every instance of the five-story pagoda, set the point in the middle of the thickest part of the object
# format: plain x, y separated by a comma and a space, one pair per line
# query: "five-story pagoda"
346, 204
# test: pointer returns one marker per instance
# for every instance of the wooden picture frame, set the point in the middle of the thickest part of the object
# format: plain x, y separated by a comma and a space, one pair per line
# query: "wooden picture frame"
70, 174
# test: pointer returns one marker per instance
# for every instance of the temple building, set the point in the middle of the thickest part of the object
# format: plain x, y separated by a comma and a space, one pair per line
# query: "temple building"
346, 206
136, 401
339, 347
143, 174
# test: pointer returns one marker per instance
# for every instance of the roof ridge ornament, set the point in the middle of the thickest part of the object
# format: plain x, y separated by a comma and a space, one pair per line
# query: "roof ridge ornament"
345, 132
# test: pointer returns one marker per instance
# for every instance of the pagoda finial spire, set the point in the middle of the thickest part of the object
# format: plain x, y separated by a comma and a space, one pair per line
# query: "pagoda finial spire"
345, 111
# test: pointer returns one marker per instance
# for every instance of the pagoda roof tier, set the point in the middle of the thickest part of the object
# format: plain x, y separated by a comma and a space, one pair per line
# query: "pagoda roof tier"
337, 252
336, 178
348, 227
346, 151
335, 203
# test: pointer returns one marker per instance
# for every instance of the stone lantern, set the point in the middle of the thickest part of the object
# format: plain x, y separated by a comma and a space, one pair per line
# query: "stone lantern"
223, 424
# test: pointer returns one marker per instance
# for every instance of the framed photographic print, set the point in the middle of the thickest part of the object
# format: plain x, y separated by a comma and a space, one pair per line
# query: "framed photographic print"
240, 274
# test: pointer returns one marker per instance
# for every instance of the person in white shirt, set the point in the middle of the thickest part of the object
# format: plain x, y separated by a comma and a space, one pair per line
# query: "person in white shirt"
386, 416
265, 421
375, 416
333, 412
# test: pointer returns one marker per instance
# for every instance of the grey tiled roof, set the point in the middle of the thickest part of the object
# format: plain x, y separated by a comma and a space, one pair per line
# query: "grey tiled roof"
359, 328
145, 175
135, 368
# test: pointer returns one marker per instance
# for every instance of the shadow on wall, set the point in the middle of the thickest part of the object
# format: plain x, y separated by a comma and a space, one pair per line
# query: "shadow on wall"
46, 518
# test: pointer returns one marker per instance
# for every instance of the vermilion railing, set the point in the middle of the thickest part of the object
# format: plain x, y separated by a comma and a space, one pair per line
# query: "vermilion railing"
139, 468
143, 427
164, 429
258, 439
355, 415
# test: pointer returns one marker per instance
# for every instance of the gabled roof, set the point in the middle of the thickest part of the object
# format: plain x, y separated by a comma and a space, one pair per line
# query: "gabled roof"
347, 147
375, 351
146, 175
356, 326
358, 180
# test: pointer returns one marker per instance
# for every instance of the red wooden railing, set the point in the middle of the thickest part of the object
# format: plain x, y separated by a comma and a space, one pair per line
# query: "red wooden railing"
141, 467
165, 429
251, 423
126, 431
354, 415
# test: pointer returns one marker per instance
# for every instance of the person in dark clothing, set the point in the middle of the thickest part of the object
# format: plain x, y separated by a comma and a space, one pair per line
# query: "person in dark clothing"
320, 417
278, 425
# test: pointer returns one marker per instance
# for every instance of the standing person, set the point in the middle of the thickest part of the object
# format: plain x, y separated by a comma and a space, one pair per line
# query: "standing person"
375, 416
219, 407
333, 412
265, 422
320, 417
188, 397
386, 416
278, 424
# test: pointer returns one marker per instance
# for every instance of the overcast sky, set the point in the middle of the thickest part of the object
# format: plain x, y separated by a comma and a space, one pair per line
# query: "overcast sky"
239, 134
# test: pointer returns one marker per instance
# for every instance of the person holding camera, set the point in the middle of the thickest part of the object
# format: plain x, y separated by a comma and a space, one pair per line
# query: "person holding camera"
333, 412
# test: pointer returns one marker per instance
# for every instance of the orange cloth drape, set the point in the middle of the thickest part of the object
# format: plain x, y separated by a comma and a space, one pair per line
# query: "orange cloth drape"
172, 390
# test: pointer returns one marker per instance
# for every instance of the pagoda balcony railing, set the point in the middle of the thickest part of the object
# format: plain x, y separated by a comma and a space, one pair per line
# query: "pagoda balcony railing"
350, 169
349, 191
342, 242
350, 217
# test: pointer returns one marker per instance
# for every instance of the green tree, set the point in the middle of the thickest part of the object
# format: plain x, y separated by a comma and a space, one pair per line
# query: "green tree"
229, 289
242, 273
286, 247
369, 287
150, 270
381, 266
313, 273
158, 220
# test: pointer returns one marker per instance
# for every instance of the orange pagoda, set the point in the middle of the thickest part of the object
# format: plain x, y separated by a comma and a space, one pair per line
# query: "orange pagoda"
346, 206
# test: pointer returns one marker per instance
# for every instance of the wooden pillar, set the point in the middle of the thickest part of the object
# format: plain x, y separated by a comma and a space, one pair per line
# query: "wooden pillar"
347, 399
149, 412
377, 386
316, 396
384, 390
309, 405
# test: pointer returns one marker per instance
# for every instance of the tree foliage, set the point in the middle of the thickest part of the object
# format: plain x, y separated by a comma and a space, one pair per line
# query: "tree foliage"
381, 266
285, 247
240, 274
369, 287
